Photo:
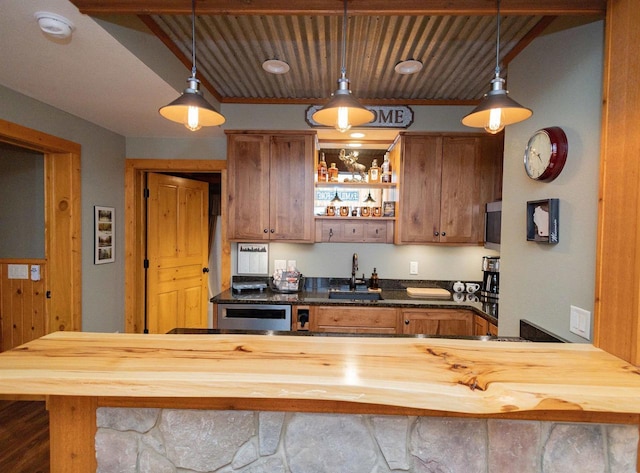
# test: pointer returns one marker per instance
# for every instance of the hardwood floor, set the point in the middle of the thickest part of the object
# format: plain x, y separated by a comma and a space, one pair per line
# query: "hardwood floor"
24, 437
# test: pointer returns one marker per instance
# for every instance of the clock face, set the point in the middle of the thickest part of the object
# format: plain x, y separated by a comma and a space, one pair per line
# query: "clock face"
545, 154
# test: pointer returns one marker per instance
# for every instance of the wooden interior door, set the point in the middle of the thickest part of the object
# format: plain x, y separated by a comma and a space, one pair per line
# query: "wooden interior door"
177, 253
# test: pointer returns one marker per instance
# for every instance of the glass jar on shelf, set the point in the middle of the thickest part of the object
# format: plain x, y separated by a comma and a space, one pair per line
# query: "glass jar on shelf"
374, 172
385, 169
322, 170
333, 173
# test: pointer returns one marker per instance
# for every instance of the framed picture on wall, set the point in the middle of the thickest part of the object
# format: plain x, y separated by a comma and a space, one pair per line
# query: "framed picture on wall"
543, 221
105, 234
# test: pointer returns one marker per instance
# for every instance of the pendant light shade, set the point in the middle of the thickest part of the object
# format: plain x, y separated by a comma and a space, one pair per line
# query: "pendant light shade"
191, 108
497, 109
343, 110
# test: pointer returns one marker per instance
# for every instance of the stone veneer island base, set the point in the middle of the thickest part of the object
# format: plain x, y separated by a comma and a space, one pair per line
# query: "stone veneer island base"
131, 440
260, 404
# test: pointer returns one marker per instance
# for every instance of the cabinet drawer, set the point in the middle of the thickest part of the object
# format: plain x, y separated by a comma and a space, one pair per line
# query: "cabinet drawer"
351, 231
438, 322
354, 319
376, 232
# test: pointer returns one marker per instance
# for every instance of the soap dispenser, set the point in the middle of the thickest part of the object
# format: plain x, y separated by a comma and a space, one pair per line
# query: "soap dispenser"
373, 282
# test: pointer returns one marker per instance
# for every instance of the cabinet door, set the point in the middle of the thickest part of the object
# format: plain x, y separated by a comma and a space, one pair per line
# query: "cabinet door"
438, 322
418, 219
291, 188
481, 326
460, 210
248, 187
362, 319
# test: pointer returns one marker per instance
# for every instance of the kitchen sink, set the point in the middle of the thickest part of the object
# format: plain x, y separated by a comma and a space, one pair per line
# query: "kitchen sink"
355, 295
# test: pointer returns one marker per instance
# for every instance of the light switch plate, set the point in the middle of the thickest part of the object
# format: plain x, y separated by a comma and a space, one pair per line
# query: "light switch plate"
580, 322
18, 271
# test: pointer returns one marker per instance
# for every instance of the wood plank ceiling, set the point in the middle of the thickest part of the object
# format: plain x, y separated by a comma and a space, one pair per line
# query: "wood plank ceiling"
454, 39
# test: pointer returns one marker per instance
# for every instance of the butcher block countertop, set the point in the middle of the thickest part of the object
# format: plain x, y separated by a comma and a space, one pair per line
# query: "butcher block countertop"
447, 375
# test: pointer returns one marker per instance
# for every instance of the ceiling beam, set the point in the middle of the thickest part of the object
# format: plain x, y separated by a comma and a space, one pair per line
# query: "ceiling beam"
334, 7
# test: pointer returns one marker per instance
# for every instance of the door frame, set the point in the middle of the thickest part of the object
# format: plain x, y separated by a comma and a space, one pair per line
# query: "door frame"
63, 221
135, 229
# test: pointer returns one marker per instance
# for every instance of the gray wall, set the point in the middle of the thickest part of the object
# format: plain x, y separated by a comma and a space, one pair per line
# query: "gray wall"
560, 77
102, 184
21, 203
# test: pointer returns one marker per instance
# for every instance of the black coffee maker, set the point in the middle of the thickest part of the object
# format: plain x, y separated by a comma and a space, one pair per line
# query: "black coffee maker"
491, 278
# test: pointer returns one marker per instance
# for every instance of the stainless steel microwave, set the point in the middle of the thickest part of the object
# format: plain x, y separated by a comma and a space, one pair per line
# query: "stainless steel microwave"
492, 224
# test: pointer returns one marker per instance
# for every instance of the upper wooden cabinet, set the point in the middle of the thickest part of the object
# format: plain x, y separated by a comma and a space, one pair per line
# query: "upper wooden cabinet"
446, 180
270, 186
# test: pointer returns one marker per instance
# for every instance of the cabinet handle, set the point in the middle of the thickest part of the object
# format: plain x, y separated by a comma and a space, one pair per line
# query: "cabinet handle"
330, 233
444, 234
272, 230
376, 231
353, 230
265, 230
205, 270
436, 233
406, 322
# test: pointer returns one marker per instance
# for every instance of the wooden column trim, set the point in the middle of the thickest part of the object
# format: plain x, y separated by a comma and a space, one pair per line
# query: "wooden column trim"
72, 431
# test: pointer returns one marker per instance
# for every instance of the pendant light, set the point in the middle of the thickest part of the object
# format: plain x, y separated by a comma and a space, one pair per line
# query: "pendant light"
191, 108
343, 110
497, 109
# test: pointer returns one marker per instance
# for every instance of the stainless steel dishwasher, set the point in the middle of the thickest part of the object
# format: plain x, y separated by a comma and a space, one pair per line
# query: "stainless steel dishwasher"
254, 316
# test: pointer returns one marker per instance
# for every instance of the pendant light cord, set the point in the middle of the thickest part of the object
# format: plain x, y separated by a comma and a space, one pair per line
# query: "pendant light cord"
193, 38
344, 41
498, 42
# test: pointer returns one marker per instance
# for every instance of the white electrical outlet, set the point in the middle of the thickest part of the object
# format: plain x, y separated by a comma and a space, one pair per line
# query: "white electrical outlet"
413, 267
580, 322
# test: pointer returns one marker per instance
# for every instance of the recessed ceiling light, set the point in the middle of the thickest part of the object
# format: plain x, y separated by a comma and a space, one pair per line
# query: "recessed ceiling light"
54, 25
410, 66
357, 134
275, 66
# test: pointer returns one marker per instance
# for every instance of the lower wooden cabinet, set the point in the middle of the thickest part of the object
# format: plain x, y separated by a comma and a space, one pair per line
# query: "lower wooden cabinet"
354, 319
484, 327
390, 320
457, 322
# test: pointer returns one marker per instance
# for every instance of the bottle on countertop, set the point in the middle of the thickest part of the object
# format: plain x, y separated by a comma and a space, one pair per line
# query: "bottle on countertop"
322, 170
333, 173
373, 282
386, 169
374, 172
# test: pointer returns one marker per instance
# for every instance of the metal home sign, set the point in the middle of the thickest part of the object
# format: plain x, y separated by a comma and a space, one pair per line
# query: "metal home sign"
385, 116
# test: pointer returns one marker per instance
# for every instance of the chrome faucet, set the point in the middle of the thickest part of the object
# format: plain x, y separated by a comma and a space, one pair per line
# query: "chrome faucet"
354, 270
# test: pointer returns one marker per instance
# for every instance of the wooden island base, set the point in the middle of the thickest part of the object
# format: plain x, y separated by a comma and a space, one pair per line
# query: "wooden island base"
81, 372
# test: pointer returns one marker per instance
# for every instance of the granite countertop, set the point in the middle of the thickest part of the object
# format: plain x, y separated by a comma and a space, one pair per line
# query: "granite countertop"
394, 294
